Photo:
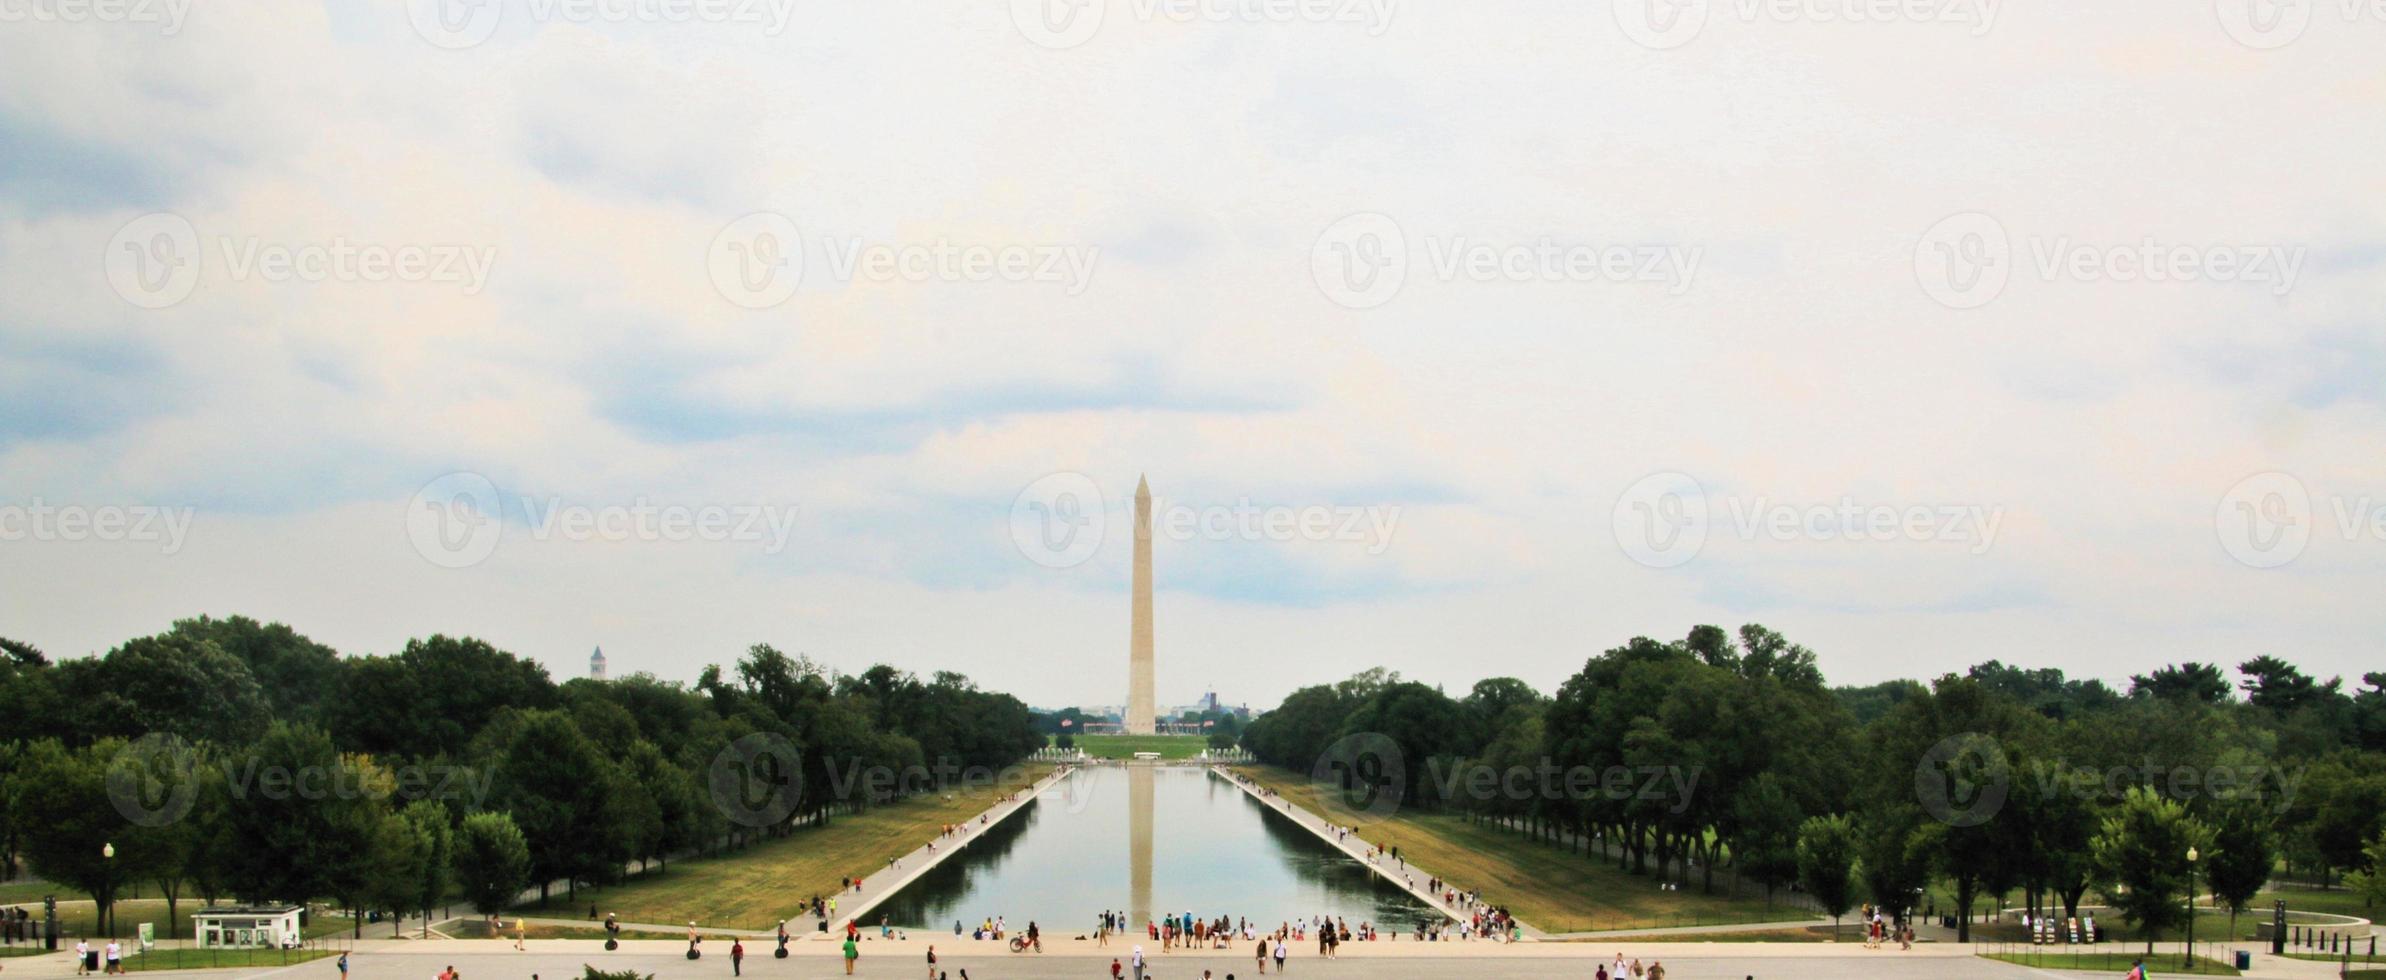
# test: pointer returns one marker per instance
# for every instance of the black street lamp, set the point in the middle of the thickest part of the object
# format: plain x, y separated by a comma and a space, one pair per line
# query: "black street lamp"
2187, 962
107, 856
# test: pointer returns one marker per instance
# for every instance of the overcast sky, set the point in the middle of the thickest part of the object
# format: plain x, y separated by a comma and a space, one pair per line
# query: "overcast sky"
1457, 338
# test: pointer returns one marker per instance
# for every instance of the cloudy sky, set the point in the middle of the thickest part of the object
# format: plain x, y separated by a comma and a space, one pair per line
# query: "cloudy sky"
1461, 338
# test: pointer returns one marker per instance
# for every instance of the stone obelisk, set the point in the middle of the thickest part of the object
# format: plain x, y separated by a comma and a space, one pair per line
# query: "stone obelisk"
1140, 710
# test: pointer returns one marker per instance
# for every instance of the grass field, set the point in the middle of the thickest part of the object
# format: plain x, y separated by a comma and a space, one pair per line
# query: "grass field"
22, 949
756, 887
2334, 901
201, 959
76, 917
28, 890
1546, 887
1821, 934
479, 929
2161, 964
1125, 746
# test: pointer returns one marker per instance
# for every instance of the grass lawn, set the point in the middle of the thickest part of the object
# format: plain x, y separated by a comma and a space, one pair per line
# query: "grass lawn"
1125, 746
2334, 901
479, 929
756, 887
28, 890
76, 917
2360, 956
2160, 964
1548, 888
22, 949
1820, 934
201, 959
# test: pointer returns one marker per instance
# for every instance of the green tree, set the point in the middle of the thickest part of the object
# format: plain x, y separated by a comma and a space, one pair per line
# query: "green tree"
388, 874
558, 789
1826, 854
1768, 821
71, 825
2190, 681
434, 870
2243, 851
2143, 849
492, 861
295, 673
170, 683
2370, 883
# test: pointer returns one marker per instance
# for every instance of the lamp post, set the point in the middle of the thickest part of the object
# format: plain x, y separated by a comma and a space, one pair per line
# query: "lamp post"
107, 856
2187, 962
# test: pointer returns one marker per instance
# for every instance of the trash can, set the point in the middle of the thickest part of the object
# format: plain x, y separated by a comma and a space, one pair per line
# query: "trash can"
2244, 960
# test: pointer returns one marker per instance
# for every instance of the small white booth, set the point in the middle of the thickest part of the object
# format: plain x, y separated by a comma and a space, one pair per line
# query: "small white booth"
248, 927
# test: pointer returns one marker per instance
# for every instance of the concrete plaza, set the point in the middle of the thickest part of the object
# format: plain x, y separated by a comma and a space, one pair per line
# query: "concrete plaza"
1071, 958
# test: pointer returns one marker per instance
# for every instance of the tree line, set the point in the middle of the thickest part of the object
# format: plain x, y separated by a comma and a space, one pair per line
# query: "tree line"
227, 758
1730, 752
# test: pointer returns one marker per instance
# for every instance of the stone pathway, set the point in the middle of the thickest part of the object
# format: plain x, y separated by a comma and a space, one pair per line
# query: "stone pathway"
1407, 877
854, 904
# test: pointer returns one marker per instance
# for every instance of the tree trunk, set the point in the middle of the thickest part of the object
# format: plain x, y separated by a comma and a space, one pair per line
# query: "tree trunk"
1963, 900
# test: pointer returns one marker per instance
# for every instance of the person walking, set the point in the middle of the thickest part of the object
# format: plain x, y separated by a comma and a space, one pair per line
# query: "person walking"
521, 932
1260, 953
343, 966
82, 957
931, 961
1280, 957
853, 951
737, 957
1135, 961
115, 958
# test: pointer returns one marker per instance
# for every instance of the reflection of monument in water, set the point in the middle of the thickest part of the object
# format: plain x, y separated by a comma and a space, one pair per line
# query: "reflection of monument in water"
1141, 712
1139, 844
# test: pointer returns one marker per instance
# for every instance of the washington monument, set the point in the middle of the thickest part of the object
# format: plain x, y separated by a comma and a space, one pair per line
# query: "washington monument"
1139, 638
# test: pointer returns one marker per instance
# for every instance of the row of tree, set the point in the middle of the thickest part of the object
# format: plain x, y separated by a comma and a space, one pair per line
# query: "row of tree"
236, 759
1735, 755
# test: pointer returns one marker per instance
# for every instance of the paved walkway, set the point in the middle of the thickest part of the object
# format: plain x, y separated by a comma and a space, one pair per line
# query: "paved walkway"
1407, 877
665, 959
854, 904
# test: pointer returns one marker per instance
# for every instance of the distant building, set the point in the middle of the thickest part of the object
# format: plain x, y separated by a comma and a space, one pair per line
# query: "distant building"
596, 665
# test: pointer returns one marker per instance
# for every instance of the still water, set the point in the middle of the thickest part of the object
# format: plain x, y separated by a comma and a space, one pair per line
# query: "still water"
1151, 841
